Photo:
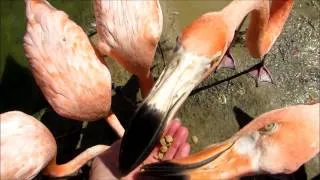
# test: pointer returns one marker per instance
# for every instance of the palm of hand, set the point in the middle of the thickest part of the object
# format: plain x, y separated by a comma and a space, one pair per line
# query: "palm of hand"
105, 166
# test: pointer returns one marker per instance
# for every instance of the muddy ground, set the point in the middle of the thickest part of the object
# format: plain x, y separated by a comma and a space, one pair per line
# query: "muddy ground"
212, 114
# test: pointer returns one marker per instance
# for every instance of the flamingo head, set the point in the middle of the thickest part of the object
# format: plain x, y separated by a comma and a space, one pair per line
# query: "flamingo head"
276, 142
199, 49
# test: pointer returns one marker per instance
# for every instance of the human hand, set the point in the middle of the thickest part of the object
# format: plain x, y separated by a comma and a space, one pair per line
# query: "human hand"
105, 166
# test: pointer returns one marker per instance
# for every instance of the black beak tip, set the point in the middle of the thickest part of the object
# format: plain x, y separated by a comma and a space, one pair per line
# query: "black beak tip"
141, 136
163, 170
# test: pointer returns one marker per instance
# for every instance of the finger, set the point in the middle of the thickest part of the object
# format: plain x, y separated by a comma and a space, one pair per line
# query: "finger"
182, 151
106, 164
172, 128
180, 137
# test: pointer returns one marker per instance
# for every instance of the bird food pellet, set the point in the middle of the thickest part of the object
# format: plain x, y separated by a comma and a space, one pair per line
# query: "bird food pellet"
166, 143
163, 149
195, 139
163, 141
168, 139
160, 156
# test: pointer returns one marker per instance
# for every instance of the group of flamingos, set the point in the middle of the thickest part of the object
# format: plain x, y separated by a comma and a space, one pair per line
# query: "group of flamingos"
76, 82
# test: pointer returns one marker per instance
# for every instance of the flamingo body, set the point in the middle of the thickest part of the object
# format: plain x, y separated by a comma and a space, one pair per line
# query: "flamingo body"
28, 147
66, 67
129, 32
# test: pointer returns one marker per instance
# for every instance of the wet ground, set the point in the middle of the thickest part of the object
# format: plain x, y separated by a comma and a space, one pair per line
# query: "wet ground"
213, 114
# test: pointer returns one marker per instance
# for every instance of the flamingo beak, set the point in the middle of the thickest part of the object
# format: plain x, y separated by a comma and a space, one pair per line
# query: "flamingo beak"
231, 159
185, 71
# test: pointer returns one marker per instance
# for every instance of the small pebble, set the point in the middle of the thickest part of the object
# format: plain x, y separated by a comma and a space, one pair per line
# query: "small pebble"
222, 99
168, 139
163, 149
195, 139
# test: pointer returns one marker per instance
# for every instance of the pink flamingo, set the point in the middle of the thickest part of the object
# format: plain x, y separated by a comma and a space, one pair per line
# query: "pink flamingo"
28, 147
70, 74
279, 141
129, 31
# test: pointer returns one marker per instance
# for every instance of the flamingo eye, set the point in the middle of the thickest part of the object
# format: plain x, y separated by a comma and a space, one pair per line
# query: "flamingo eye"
268, 128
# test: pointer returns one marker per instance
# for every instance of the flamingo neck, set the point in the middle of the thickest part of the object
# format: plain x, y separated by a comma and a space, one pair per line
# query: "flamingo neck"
237, 10
74, 165
266, 23
264, 30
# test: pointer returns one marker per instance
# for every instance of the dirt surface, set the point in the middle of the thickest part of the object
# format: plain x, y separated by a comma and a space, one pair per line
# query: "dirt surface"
213, 114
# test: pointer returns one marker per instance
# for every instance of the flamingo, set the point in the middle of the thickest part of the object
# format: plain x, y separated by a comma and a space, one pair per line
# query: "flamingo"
279, 141
27, 147
199, 51
70, 74
129, 31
